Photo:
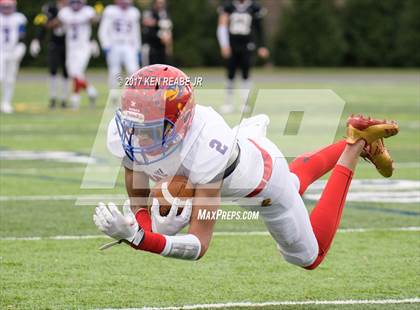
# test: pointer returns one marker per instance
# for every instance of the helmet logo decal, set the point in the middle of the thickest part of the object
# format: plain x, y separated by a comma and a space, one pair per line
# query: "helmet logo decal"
133, 116
171, 93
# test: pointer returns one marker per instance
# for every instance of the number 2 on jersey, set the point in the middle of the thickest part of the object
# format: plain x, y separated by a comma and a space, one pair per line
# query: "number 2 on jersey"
216, 144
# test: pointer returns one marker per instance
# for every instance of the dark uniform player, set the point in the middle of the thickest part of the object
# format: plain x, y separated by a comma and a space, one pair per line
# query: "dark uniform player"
47, 21
157, 33
240, 33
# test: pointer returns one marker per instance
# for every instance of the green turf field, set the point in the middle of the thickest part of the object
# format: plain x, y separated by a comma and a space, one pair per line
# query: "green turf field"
49, 257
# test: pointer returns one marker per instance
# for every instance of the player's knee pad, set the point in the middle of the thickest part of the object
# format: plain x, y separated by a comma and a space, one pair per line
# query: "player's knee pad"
294, 242
282, 226
301, 259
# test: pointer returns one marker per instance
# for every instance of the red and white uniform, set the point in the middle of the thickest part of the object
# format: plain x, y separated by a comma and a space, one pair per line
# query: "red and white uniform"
78, 28
262, 172
120, 36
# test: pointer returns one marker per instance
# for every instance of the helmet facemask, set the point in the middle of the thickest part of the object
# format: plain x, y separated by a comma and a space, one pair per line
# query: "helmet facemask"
147, 141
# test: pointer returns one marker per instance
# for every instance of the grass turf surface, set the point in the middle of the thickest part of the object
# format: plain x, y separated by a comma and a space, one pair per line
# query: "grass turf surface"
74, 274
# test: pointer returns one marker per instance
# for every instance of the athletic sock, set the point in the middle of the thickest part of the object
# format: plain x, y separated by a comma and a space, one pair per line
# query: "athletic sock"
229, 92
78, 85
91, 91
53, 87
325, 217
310, 167
245, 89
92, 94
8, 90
65, 89
53, 103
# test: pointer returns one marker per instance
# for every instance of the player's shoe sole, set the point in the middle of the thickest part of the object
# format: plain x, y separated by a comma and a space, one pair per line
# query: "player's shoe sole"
369, 129
377, 154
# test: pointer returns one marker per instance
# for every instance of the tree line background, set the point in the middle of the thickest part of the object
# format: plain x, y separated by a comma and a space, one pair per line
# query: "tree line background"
367, 33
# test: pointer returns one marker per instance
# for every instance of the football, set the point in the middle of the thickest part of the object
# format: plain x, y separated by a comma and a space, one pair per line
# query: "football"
168, 189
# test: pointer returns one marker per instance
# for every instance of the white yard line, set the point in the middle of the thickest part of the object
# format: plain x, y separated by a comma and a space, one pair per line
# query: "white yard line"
46, 170
58, 156
217, 233
89, 198
280, 303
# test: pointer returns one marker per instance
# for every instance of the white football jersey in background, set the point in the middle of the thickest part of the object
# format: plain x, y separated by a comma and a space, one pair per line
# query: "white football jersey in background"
10, 28
120, 37
77, 25
78, 28
120, 27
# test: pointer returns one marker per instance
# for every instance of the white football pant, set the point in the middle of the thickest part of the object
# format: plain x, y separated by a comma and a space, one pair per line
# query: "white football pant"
287, 218
9, 66
77, 61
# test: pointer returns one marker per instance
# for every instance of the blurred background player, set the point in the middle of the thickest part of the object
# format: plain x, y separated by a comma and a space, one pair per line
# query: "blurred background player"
157, 34
12, 50
120, 38
47, 21
77, 20
239, 33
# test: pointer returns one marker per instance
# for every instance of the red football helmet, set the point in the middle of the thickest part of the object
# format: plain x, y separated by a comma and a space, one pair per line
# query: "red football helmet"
157, 109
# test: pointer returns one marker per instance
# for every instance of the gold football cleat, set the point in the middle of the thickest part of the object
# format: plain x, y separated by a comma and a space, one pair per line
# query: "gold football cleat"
377, 154
372, 131
369, 129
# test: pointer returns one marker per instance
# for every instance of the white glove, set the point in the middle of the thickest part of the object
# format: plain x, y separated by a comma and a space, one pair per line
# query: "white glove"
94, 49
172, 223
34, 48
119, 226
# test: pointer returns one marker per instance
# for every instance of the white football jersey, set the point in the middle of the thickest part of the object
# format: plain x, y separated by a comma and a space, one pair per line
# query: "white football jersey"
77, 25
120, 27
10, 28
203, 155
